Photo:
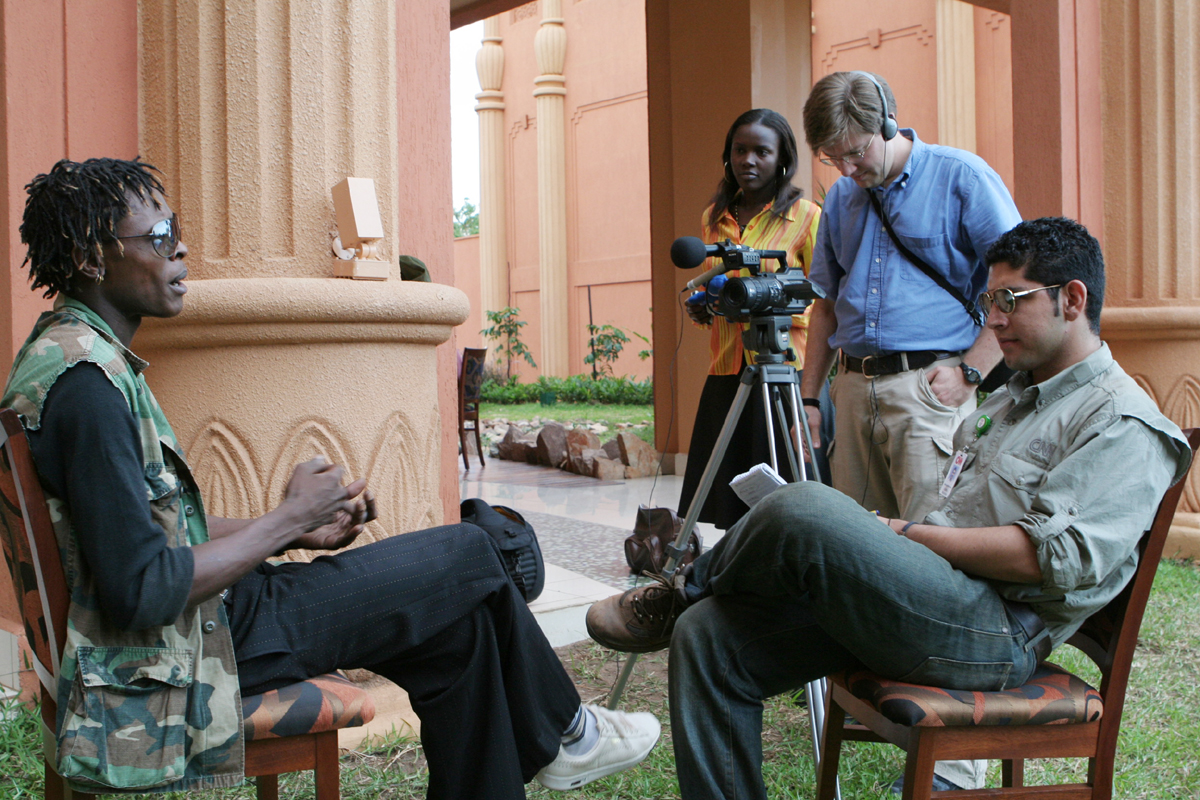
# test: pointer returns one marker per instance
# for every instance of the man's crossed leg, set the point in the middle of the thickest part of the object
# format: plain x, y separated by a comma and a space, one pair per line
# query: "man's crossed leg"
806, 584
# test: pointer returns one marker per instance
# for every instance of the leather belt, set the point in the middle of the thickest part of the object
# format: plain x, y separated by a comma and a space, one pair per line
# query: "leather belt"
1036, 635
893, 363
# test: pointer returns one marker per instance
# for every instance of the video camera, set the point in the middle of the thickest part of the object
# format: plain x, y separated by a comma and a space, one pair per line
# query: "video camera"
783, 292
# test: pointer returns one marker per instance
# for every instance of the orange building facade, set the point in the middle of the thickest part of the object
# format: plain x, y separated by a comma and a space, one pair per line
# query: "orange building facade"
949, 64
1021, 82
606, 207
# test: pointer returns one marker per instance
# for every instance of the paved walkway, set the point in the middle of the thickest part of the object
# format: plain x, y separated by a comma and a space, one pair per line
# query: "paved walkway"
581, 525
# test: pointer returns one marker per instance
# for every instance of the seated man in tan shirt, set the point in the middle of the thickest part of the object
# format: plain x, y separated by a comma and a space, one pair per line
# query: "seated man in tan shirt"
1037, 528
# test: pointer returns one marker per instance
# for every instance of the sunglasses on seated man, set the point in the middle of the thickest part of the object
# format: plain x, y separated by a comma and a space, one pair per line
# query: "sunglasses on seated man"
1006, 299
164, 236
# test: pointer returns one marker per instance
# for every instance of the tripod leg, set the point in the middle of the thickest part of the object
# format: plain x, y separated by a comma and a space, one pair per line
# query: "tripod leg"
788, 438
766, 391
804, 433
614, 699
706, 481
710, 471
815, 690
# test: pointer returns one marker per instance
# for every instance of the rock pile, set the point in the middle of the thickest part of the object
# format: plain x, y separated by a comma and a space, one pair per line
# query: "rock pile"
579, 450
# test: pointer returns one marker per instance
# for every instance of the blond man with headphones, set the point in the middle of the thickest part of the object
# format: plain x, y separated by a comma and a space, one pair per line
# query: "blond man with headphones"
900, 255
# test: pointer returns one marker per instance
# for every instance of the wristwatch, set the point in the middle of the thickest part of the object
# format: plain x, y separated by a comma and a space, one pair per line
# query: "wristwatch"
972, 375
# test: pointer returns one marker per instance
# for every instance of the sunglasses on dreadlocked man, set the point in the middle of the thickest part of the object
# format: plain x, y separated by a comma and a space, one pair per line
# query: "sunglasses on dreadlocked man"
1006, 299
164, 236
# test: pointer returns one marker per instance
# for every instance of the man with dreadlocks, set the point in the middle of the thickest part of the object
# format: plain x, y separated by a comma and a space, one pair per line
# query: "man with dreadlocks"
174, 612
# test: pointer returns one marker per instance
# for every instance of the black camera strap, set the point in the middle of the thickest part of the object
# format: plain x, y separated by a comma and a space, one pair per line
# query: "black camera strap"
935, 276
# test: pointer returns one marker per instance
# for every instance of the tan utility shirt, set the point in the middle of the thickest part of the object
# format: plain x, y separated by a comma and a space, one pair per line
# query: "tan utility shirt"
1080, 462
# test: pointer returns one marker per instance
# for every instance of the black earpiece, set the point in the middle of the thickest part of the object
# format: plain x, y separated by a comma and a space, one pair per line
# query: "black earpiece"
888, 127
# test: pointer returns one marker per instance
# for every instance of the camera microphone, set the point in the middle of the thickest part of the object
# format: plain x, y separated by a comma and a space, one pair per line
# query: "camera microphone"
688, 252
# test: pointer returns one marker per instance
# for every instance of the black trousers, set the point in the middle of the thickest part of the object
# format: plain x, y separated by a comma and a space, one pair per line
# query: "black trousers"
435, 612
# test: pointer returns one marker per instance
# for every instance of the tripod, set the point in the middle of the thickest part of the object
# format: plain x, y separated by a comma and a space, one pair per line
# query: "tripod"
768, 337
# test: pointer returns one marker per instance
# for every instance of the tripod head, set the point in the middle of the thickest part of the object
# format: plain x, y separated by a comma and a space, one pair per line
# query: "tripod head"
769, 336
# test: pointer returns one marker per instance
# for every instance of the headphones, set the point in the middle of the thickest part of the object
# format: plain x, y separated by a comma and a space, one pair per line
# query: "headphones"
889, 127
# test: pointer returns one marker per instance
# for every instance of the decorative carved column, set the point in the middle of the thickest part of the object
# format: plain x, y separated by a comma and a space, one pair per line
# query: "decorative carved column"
550, 48
493, 235
956, 74
254, 111
1152, 213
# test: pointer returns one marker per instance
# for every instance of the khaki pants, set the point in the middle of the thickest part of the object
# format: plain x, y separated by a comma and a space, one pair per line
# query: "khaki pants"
892, 442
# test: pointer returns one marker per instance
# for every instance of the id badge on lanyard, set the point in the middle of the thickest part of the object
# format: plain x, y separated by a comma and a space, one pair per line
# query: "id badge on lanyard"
956, 467
960, 458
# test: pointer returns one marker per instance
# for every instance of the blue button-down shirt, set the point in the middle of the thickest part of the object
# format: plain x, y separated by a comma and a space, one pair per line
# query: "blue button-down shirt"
947, 206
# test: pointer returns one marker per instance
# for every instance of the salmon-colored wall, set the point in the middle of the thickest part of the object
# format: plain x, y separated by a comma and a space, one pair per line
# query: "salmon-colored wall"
70, 91
69, 73
899, 41
466, 278
608, 206
694, 96
1058, 153
994, 92
424, 193
895, 40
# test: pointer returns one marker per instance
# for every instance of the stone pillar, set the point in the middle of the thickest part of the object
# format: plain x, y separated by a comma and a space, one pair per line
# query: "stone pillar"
1152, 213
550, 48
781, 69
687, 120
254, 111
1056, 64
956, 74
493, 222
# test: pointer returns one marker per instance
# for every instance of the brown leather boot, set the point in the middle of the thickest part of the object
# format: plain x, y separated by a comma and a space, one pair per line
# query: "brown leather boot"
641, 619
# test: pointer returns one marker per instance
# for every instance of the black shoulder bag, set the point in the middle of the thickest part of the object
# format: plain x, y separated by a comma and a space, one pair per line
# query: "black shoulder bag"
519, 549
1000, 373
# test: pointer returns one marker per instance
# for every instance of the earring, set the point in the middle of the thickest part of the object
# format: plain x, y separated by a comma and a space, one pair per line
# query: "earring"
99, 277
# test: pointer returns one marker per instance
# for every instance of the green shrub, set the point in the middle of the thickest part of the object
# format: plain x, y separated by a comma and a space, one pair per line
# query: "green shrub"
575, 389
505, 331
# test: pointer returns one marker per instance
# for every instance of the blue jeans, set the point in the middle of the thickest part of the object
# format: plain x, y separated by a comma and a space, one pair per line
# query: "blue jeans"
807, 584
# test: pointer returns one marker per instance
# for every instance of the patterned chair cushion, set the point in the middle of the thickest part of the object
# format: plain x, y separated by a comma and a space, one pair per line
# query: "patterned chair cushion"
323, 703
1052, 696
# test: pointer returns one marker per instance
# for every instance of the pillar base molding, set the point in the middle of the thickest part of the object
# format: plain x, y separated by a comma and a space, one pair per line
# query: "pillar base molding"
1159, 347
1184, 539
253, 311
1150, 323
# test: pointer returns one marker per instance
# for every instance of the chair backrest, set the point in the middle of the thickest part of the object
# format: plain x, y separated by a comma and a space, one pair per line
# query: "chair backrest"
1110, 635
470, 378
31, 551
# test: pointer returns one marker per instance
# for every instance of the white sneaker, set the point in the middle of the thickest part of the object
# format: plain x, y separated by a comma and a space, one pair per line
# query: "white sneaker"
625, 739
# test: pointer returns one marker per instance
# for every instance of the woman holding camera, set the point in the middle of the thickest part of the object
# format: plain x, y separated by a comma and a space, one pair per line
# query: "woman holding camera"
755, 205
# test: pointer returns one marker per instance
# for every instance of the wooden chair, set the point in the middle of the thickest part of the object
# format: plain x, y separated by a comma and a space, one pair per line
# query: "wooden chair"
470, 384
1054, 715
286, 730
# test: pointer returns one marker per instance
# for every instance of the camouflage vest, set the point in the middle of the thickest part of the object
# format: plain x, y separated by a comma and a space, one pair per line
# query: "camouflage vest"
157, 708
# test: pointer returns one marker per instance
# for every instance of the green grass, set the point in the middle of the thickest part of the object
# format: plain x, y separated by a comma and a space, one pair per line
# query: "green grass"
576, 413
1156, 757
